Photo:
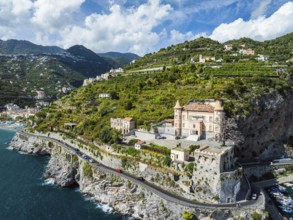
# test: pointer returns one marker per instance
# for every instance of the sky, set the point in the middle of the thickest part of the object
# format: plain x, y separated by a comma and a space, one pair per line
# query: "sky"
141, 26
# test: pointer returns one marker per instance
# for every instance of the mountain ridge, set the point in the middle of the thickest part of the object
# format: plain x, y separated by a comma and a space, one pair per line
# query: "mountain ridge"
14, 47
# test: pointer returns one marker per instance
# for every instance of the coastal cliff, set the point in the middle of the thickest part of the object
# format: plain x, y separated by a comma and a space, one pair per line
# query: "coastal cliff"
31, 145
264, 133
123, 196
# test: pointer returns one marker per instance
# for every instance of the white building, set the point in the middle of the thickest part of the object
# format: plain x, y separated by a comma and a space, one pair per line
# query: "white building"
139, 145
262, 58
105, 76
203, 59
104, 95
88, 81
40, 104
180, 155
11, 107
228, 47
40, 95
116, 71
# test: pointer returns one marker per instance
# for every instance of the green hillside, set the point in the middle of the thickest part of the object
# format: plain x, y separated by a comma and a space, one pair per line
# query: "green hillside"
23, 74
150, 96
119, 59
278, 50
13, 47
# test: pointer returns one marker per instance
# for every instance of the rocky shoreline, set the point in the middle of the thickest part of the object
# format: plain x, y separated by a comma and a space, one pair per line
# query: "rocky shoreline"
30, 145
123, 196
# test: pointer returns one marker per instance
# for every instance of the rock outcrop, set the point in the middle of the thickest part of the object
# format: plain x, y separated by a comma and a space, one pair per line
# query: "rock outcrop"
30, 144
62, 169
264, 132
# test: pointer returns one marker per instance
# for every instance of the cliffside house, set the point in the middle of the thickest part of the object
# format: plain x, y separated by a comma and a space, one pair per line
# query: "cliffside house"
216, 165
139, 145
179, 154
199, 120
125, 125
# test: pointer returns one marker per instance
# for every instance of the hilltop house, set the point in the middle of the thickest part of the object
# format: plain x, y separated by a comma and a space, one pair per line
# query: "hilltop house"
228, 47
262, 58
199, 120
125, 125
116, 71
88, 81
203, 59
246, 52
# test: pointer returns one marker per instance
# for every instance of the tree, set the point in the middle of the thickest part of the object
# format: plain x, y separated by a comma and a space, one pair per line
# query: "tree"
189, 168
128, 105
187, 215
114, 95
87, 170
256, 216
167, 161
105, 135
193, 148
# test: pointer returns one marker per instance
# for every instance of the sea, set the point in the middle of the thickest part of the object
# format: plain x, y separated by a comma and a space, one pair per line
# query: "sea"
25, 195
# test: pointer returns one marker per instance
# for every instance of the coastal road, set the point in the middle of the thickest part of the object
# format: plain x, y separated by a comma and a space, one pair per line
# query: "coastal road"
151, 187
266, 163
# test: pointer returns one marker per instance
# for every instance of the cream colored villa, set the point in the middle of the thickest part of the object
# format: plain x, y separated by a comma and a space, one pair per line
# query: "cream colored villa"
125, 125
199, 120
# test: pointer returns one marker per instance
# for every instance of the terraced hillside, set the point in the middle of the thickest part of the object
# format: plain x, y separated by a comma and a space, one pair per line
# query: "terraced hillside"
278, 50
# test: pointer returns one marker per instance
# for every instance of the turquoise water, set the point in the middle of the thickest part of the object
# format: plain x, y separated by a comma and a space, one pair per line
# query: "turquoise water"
24, 195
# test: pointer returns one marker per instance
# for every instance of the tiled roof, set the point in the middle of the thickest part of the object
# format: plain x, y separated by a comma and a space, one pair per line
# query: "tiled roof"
128, 119
140, 142
198, 108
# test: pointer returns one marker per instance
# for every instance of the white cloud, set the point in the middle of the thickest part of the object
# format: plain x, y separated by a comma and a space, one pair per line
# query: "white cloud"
261, 9
54, 14
139, 28
279, 23
122, 29
13, 12
6, 33
178, 37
